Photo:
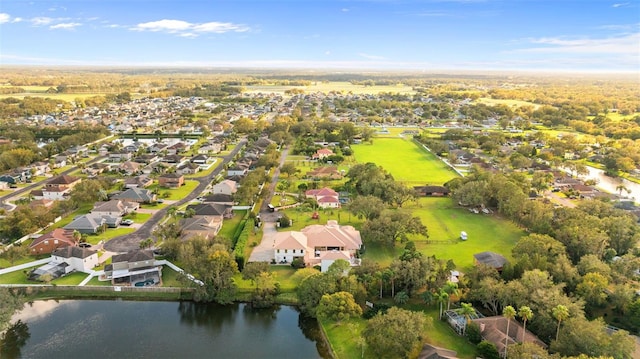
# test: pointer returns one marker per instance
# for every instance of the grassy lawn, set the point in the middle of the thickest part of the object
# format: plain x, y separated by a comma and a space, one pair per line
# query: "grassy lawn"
205, 172
341, 338
170, 278
229, 225
138, 217
108, 234
26, 259
17, 277
176, 194
278, 200
405, 160
302, 219
444, 221
95, 281
70, 279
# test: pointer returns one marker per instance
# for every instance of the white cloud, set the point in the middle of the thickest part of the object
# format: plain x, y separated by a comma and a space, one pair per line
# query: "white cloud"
65, 26
187, 29
344, 10
41, 21
371, 57
626, 43
17, 19
4, 17
620, 5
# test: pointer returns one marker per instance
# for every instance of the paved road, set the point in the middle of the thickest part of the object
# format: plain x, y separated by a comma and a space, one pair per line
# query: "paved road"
132, 241
41, 183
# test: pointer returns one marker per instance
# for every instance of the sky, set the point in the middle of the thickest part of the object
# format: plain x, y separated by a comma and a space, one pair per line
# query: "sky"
423, 35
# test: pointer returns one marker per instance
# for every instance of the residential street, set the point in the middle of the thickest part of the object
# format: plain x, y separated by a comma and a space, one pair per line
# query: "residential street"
132, 241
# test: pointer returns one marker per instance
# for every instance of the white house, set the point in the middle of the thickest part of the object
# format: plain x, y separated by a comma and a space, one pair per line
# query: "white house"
76, 258
326, 197
225, 187
318, 245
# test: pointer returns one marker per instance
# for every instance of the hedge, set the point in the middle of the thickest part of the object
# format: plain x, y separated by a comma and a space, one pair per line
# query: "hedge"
241, 243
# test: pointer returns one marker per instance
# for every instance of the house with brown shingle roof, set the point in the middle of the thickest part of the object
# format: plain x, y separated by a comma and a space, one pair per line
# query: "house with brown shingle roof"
51, 241
494, 330
322, 154
206, 227
318, 244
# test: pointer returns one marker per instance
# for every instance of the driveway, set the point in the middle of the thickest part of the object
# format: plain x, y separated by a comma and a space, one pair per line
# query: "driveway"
132, 241
263, 252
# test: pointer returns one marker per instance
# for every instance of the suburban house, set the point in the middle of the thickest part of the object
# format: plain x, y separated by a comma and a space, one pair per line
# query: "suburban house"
206, 227
237, 170
130, 168
200, 159
225, 187
141, 181
138, 266
325, 172
139, 195
171, 180
158, 147
119, 156
494, 330
322, 154
51, 241
220, 198
172, 159
432, 191
188, 169
91, 223
491, 259
114, 208
318, 244
66, 260
57, 188
79, 259
211, 209
326, 197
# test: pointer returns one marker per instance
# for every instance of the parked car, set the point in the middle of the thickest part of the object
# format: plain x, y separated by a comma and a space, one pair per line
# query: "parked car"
84, 245
127, 222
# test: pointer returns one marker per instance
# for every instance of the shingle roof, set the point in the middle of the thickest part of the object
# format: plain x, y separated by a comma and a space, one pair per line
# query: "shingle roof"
133, 256
73, 252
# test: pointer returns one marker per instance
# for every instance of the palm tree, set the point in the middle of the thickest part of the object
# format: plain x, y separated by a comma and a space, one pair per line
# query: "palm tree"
621, 188
77, 236
526, 314
560, 312
467, 311
452, 289
508, 312
441, 298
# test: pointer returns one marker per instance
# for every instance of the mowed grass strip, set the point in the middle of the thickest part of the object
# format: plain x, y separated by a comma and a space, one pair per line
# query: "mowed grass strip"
405, 160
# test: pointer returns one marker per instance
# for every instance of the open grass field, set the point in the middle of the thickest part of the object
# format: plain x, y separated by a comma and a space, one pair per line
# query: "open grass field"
138, 217
336, 86
444, 222
302, 219
405, 160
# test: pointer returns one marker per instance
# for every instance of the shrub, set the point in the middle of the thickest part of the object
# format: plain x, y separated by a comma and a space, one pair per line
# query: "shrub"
487, 350
297, 263
284, 221
473, 333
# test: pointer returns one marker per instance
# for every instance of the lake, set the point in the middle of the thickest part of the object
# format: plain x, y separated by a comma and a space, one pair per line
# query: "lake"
136, 329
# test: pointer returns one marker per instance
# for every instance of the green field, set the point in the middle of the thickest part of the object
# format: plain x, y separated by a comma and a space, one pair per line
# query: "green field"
70, 279
405, 160
336, 86
445, 221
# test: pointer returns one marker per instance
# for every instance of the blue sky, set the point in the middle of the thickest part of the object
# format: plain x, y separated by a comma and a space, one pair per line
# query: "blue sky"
561, 35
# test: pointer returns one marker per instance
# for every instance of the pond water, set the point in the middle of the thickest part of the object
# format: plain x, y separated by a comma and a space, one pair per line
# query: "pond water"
135, 329
611, 184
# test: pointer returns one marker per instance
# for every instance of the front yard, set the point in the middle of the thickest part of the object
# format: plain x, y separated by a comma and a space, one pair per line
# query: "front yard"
176, 194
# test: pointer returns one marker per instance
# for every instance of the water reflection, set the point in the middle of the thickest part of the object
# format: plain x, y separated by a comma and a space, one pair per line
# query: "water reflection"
14, 339
134, 329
